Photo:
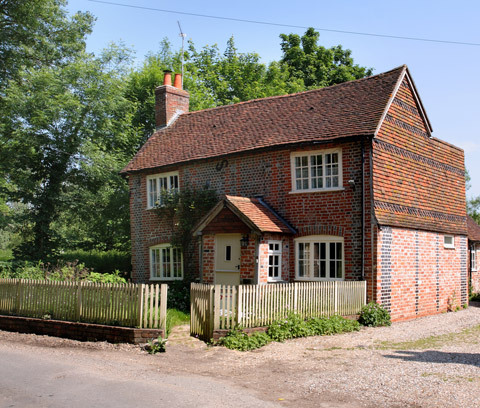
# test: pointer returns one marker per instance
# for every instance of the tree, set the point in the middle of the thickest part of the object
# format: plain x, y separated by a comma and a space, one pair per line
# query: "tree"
55, 119
38, 33
316, 65
473, 204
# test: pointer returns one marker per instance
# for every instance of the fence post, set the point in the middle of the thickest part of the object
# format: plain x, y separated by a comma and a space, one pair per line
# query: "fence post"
163, 308
216, 308
295, 296
18, 293
239, 304
336, 296
364, 292
140, 305
78, 311
211, 311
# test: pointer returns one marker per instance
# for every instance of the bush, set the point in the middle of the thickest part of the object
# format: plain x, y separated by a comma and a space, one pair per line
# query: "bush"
179, 295
238, 340
62, 271
101, 261
288, 328
106, 277
321, 326
374, 315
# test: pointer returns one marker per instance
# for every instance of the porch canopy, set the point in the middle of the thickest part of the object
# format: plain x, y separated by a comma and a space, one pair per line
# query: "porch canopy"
243, 215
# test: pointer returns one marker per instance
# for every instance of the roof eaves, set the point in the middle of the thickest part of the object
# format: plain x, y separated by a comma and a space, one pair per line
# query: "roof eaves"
390, 101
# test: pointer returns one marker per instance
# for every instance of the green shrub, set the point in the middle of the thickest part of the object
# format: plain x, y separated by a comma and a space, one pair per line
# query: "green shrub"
290, 327
321, 326
374, 315
179, 295
238, 340
475, 297
114, 277
5, 255
101, 261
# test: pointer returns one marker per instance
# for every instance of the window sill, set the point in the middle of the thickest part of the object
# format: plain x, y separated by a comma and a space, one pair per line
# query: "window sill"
323, 190
165, 279
319, 279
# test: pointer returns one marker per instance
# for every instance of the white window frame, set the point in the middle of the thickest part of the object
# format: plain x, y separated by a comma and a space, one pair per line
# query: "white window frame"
156, 184
274, 253
311, 155
449, 245
314, 239
158, 271
473, 258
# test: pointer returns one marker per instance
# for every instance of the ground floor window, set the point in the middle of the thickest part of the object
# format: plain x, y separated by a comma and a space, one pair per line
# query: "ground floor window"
166, 262
319, 257
274, 260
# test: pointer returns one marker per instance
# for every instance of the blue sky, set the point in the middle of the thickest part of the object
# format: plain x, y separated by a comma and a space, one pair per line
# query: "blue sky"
446, 75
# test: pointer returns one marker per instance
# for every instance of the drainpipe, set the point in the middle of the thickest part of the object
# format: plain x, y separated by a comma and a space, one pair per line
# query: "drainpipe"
363, 211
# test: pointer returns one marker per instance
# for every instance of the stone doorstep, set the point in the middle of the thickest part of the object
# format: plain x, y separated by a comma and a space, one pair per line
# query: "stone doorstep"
78, 330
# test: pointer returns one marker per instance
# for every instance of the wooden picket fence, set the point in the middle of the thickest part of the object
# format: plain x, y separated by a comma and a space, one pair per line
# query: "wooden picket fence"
130, 305
216, 307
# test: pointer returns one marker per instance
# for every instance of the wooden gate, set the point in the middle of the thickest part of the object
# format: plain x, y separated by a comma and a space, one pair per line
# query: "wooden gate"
201, 310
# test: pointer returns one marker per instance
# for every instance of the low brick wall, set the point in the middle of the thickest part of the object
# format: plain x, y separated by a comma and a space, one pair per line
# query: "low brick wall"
78, 331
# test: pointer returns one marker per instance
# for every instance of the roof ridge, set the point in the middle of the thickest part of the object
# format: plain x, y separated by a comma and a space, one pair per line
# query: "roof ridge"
401, 67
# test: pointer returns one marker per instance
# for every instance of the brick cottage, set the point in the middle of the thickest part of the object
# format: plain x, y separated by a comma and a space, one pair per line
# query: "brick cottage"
339, 183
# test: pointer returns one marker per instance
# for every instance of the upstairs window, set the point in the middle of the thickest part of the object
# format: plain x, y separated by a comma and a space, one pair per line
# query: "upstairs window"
158, 185
317, 171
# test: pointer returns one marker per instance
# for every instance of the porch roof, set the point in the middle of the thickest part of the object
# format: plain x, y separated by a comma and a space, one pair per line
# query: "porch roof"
253, 212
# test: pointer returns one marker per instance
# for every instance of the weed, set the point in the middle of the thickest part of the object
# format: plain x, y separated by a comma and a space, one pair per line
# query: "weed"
156, 346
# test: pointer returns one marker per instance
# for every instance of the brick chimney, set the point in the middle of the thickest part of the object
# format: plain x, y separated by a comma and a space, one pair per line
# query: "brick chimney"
170, 101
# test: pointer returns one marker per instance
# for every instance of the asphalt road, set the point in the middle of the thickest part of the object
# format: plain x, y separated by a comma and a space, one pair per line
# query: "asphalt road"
50, 380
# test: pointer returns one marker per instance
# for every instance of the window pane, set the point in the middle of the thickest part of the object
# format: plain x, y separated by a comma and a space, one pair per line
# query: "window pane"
228, 253
177, 263
316, 266
303, 259
301, 173
166, 263
333, 269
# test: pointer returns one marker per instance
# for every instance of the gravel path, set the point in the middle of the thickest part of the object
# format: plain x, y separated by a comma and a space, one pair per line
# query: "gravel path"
428, 362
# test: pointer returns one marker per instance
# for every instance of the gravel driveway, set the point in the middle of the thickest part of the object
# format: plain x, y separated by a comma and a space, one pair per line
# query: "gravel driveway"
428, 362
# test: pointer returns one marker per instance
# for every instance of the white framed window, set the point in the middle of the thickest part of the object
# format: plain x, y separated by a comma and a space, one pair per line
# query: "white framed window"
319, 257
274, 260
166, 262
158, 184
448, 241
473, 259
317, 170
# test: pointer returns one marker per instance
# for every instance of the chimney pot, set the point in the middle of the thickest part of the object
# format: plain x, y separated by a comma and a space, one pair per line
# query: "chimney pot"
178, 81
167, 78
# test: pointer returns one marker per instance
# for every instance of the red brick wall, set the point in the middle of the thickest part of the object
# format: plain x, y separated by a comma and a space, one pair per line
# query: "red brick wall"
416, 275
169, 102
268, 174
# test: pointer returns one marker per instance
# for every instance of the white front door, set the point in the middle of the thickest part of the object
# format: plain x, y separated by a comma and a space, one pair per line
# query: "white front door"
227, 259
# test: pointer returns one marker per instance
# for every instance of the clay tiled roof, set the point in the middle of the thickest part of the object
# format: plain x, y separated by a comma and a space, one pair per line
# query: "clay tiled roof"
473, 229
352, 108
259, 214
